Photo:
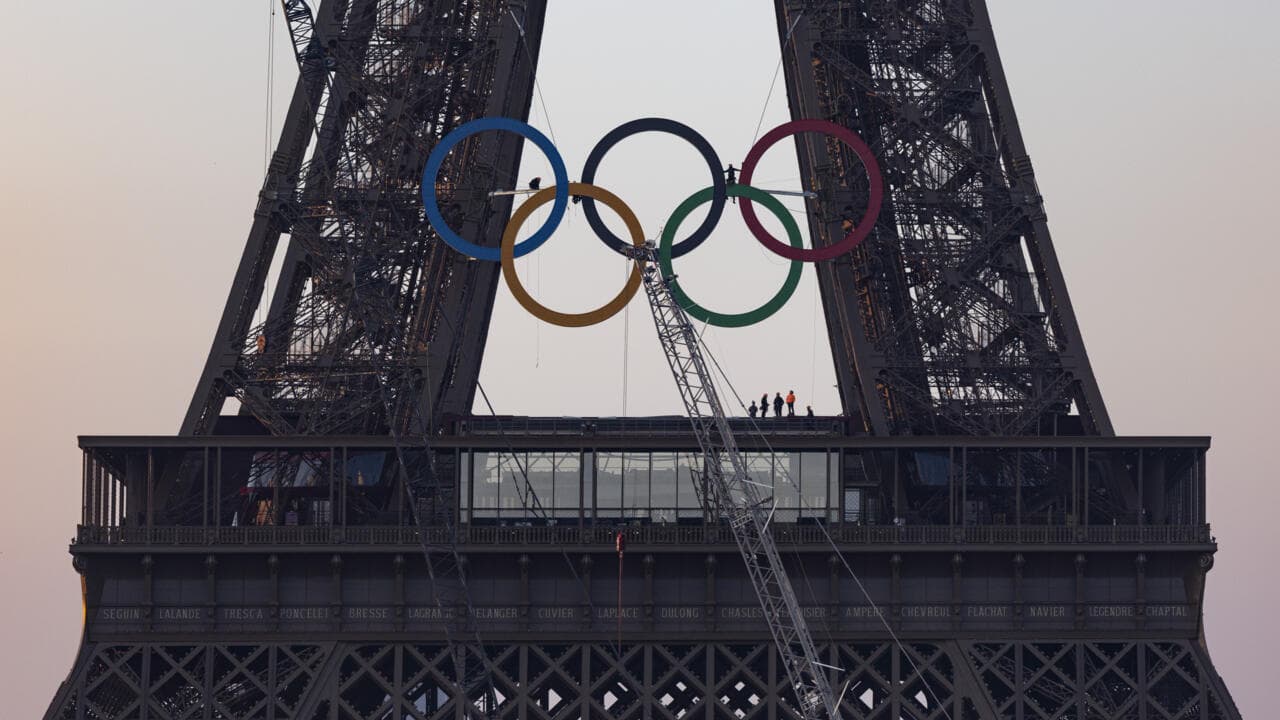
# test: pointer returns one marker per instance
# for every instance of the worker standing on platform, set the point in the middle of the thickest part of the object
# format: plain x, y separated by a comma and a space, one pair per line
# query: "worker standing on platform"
777, 404
752, 410
791, 403
731, 178
764, 405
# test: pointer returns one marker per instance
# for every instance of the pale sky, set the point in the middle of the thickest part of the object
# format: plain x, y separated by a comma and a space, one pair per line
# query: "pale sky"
131, 152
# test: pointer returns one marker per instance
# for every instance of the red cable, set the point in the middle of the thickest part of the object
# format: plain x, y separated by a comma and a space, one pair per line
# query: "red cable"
620, 543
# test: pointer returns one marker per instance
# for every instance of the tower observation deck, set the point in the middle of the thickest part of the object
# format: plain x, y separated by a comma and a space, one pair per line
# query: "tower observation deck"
969, 538
1015, 571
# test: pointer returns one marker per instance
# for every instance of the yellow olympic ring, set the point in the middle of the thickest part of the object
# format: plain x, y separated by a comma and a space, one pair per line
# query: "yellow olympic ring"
542, 312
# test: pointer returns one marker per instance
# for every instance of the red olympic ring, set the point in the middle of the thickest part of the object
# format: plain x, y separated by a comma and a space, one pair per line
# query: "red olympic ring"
860, 231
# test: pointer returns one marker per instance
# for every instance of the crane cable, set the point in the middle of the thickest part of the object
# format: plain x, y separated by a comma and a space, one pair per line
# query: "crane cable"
875, 608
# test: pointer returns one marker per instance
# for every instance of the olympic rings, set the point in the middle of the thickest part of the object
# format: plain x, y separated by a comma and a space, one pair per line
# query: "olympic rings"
462, 132
720, 190
859, 232
542, 312
750, 317
663, 125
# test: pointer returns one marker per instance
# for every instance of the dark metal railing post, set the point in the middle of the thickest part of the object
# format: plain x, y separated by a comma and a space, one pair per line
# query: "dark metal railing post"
84, 487
151, 490
204, 487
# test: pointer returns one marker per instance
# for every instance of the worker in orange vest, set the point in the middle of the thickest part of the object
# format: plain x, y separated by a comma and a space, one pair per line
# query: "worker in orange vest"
791, 403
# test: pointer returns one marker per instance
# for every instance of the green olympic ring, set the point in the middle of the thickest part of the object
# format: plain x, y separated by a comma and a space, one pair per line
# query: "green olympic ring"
742, 319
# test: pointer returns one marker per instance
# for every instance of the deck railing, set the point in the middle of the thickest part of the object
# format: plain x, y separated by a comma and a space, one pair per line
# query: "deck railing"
655, 535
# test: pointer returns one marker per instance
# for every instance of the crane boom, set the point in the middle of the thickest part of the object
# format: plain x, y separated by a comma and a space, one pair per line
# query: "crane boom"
735, 497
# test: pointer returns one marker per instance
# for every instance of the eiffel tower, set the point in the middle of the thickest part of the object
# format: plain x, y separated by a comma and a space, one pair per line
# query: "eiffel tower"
332, 534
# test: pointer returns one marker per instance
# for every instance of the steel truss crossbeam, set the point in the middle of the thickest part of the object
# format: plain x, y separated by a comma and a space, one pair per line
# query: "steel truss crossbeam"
1106, 679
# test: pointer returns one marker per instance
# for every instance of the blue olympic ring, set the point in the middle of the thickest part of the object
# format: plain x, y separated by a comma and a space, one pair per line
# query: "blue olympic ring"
462, 132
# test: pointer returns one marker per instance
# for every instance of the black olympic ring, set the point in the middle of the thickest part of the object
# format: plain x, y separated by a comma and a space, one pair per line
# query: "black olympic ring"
680, 130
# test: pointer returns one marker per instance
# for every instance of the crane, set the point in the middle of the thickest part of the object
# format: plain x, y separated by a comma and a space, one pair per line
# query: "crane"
736, 498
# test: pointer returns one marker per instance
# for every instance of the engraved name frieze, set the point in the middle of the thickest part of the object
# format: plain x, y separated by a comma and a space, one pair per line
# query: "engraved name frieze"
171, 613
859, 612
294, 614
680, 613
1046, 612
236, 614
925, 611
368, 613
128, 613
979, 612
495, 613
556, 613
428, 613
1168, 611
612, 613
1112, 611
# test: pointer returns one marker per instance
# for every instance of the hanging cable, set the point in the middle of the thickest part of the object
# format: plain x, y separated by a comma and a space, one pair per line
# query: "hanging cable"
776, 70
260, 315
626, 355
537, 87
620, 544
813, 348
271, 58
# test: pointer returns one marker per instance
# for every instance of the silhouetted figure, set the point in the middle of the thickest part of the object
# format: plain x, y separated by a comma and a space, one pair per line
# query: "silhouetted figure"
535, 183
764, 405
777, 405
808, 411
791, 403
752, 410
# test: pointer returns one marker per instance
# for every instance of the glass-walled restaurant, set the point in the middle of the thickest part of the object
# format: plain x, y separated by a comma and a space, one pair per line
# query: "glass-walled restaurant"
248, 481
633, 486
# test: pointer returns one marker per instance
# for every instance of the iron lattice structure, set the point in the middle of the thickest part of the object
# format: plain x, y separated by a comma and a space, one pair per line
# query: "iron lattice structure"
953, 318
668, 681
1030, 575
367, 300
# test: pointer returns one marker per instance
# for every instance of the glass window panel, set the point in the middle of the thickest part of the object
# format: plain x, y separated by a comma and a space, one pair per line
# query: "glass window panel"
663, 487
488, 477
609, 486
568, 481
853, 505
464, 482
787, 494
833, 484
589, 484
760, 470
541, 471
813, 484
510, 488
688, 500
635, 484
365, 468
